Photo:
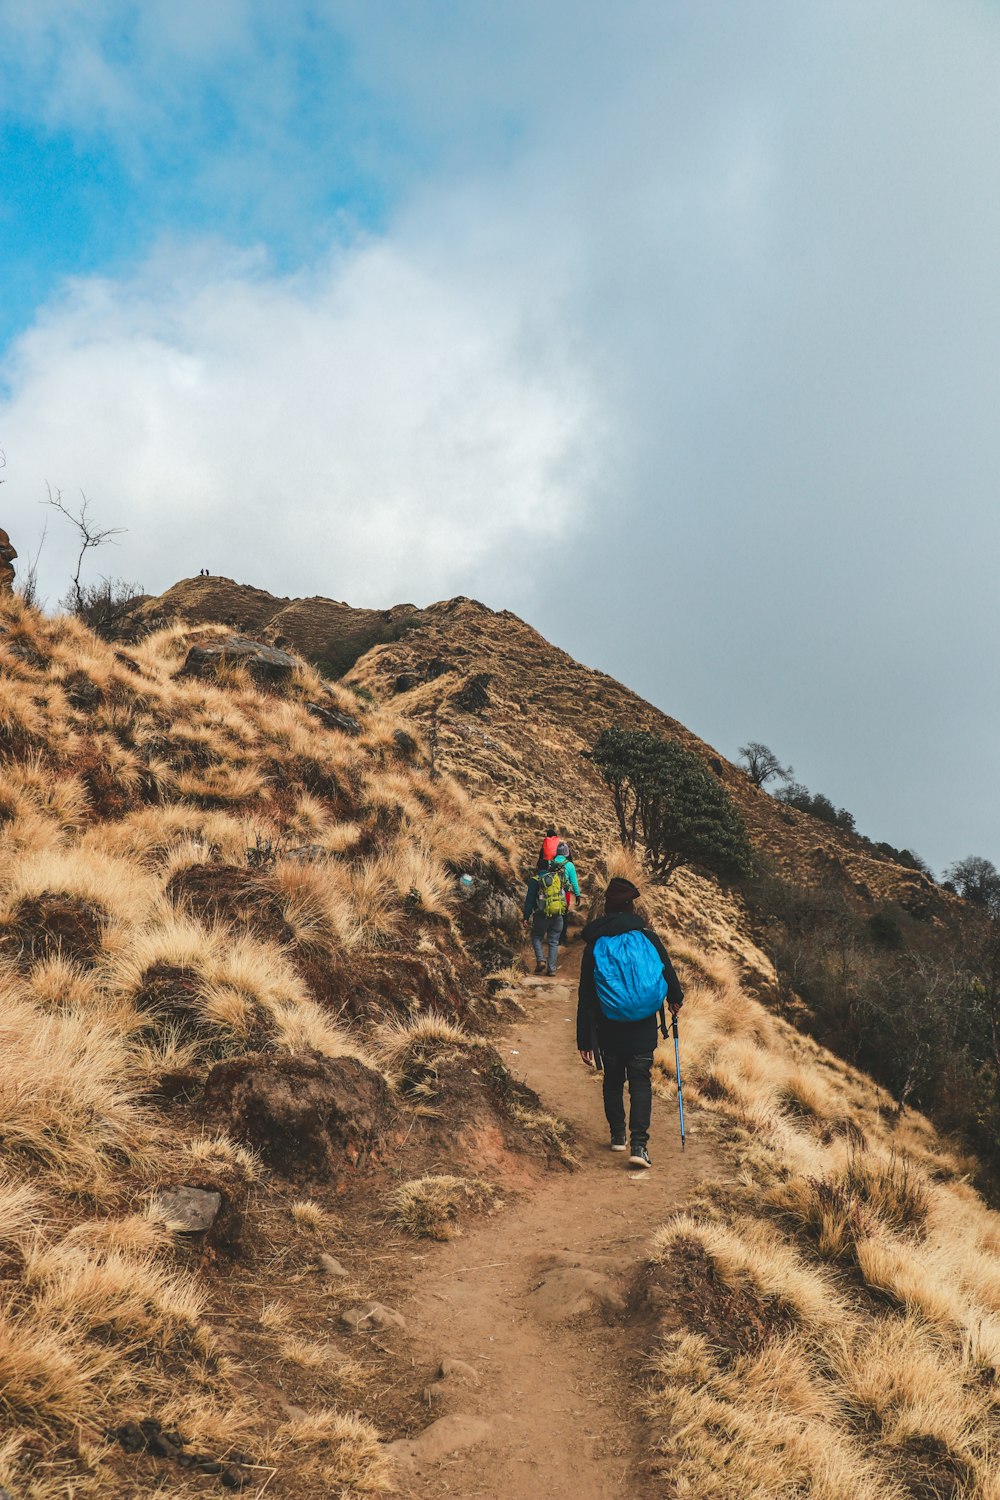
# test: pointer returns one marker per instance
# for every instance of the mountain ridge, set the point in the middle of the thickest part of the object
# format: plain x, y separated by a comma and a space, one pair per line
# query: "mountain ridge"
427, 660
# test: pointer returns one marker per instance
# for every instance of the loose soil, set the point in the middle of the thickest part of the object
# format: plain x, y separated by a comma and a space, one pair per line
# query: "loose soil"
534, 1300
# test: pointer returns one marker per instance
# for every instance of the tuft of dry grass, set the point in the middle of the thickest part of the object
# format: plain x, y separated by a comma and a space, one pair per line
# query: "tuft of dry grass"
344, 1452
430, 1206
308, 1214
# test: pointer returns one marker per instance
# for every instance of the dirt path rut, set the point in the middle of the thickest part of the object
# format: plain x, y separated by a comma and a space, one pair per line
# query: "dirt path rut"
542, 1403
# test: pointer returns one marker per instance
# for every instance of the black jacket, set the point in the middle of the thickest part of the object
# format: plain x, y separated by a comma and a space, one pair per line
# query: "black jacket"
594, 1032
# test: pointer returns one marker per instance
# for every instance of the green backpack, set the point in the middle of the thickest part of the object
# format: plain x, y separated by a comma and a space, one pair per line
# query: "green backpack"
551, 898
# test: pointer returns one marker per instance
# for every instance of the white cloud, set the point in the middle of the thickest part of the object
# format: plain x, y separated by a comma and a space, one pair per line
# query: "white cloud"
377, 428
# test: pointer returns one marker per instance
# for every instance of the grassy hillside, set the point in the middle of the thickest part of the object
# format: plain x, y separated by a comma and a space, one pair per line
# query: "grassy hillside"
510, 713
223, 926
235, 957
824, 1318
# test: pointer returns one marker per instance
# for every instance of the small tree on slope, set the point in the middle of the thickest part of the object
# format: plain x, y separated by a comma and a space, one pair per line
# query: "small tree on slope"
762, 765
664, 796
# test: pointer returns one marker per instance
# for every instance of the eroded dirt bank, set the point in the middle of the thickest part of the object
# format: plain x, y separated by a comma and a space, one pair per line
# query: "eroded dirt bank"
531, 1302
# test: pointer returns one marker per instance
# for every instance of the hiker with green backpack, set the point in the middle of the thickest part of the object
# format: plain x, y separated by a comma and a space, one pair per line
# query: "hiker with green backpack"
545, 911
626, 979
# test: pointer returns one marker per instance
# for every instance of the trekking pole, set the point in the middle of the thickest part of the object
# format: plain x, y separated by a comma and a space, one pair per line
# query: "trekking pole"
680, 1087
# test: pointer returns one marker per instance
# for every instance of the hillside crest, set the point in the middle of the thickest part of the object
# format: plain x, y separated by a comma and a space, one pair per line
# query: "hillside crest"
512, 714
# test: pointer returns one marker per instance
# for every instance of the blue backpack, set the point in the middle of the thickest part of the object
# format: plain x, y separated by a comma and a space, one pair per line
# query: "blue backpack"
628, 973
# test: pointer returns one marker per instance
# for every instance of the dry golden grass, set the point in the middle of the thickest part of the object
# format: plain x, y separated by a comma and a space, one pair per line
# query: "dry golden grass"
343, 1452
309, 1215
117, 775
430, 1206
859, 1229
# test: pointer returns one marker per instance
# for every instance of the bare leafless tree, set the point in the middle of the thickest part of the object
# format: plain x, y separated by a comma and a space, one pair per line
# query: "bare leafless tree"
90, 537
762, 765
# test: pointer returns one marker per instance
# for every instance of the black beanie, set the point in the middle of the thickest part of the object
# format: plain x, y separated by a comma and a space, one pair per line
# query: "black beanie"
620, 894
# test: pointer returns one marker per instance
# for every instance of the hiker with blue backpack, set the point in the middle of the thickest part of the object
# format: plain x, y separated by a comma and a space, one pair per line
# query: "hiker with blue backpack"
626, 979
545, 907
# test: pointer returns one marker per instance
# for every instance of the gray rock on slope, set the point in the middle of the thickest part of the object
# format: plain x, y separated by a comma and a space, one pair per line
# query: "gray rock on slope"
187, 1210
265, 664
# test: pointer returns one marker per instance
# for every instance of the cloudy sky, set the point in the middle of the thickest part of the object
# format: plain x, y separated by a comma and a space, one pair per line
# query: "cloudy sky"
672, 326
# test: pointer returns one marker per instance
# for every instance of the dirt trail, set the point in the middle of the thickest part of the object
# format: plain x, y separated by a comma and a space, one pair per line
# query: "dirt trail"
523, 1300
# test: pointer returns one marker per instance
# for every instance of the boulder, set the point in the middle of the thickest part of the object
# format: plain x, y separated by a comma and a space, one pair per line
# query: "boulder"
474, 696
7, 556
265, 664
304, 1112
330, 1265
405, 744
334, 719
371, 1317
187, 1210
442, 1438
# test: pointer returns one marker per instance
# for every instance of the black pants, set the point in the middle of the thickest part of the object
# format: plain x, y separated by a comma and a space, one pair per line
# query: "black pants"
638, 1070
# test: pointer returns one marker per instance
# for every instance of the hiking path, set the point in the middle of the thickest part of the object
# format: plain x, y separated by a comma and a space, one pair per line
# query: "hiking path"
545, 1403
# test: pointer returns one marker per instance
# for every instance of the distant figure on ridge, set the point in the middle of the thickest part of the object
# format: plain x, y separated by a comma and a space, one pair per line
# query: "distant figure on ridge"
625, 978
545, 912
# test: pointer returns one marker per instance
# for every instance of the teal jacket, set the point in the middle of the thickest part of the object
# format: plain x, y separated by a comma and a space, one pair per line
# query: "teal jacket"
568, 870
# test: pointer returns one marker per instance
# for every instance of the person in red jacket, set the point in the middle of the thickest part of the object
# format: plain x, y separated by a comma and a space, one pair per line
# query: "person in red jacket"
547, 853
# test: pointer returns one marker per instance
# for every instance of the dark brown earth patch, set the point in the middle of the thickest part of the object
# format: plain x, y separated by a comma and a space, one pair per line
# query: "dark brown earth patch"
169, 995
52, 923
929, 1470
306, 1113
366, 986
470, 1083
684, 1290
109, 800
169, 991
233, 896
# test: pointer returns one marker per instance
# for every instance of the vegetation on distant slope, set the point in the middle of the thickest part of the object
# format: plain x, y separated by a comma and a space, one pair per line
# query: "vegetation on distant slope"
667, 800
762, 765
827, 1314
916, 1004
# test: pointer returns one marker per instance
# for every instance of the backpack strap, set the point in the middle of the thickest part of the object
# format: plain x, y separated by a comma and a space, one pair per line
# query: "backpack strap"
663, 1021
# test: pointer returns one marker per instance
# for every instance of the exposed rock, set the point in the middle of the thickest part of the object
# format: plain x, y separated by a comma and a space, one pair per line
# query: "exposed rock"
187, 1210
334, 719
300, 1112
458, 1369
306, 854
330, 1265
82, 692
405, 744
7, 556
265, 664
567, 1292
453, 1379
473, 697
445, 1436
371, 1316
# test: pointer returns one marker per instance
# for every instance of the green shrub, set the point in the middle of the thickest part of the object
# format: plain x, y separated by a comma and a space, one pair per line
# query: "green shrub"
666, 797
